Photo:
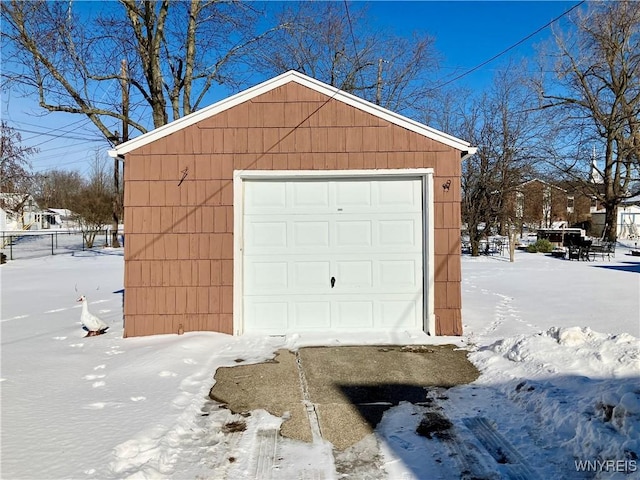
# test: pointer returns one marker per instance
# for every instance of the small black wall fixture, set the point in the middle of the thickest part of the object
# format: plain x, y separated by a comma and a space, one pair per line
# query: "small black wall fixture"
185, 172
446, 185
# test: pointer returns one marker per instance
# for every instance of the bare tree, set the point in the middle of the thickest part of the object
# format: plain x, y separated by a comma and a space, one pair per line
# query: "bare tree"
93, 202
333, 42
15, 171
57, 188
447, 109
595, 95
15, 174
166, 56
509, 136
175, 53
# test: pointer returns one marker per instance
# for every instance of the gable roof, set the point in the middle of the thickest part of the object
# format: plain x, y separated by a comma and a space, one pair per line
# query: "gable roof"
523, 184
280, 80
12, 201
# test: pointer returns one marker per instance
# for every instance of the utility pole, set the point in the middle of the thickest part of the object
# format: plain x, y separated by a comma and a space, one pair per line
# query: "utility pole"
379, 83
117, 197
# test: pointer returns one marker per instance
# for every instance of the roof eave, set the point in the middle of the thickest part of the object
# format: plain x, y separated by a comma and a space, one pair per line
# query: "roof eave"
281, 80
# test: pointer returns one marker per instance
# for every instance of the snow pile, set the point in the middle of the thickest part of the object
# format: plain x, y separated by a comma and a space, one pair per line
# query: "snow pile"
582, 385
567, 350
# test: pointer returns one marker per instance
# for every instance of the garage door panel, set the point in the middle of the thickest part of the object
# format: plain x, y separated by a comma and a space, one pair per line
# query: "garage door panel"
399, 313
406, 195
311, 315
267, 276
352, 315
308, 196
350, 233
399, 275
353, 194
311, 234
312, 277
265, 196
352, 274
266, 315
400, 233
266, 234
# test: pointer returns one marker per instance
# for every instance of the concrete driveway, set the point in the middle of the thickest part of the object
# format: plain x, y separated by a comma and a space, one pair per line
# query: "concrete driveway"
339, 394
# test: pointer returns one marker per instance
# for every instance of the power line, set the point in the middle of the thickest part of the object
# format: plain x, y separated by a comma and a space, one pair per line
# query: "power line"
506, 49
22, 122
60, 136
49, 155
355, 47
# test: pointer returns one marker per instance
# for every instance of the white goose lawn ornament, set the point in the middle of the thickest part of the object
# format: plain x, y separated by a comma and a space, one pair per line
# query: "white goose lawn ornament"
92, 324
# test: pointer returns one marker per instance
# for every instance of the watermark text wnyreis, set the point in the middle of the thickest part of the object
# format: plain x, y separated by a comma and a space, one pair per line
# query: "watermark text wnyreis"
610, 466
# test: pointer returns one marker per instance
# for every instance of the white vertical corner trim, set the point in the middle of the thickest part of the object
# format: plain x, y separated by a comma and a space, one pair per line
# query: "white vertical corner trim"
429, 253
239, 176
238, 242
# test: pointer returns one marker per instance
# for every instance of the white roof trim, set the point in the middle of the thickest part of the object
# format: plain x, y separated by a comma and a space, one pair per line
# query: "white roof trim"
291, 76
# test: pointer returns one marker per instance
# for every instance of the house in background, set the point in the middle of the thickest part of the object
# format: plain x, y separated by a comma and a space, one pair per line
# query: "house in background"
541, 204
20, 212
3, 220
628, 222
61, 218
537, 204
292, 207
628, 218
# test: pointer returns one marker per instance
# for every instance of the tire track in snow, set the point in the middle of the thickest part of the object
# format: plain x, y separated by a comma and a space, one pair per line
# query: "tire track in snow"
511, 463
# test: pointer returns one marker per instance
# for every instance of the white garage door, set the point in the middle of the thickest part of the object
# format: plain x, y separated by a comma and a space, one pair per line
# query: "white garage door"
332, 255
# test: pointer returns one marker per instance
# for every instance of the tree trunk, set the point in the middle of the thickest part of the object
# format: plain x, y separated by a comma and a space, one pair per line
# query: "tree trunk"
89, 237
611, 222
474, 239
513, 233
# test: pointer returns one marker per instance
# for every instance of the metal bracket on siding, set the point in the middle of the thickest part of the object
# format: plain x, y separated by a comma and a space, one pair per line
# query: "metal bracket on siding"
185, 172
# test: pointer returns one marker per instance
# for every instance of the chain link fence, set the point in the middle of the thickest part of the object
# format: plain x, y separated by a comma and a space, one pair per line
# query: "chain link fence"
17, 245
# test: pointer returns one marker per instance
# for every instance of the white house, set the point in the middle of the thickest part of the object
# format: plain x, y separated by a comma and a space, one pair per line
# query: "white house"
20, 212
628, 222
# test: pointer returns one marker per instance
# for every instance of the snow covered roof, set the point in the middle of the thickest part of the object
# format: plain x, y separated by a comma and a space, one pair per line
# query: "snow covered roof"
632, 200
12, 200
292, 76
63, 212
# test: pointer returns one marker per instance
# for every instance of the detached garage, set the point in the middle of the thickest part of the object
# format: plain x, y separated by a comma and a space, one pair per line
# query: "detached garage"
292, 207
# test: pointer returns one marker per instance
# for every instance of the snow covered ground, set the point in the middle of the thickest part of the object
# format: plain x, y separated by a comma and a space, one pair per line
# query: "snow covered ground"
556, 343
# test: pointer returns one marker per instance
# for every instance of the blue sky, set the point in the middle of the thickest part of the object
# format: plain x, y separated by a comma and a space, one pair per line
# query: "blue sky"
467, 33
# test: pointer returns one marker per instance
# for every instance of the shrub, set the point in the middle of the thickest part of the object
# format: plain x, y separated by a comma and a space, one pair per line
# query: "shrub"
543, 245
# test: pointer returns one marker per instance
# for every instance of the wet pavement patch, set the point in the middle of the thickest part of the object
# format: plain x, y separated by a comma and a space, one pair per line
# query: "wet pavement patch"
349, 388
434, 424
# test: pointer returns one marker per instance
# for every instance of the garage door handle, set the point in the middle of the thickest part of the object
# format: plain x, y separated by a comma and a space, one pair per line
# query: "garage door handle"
333, 281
